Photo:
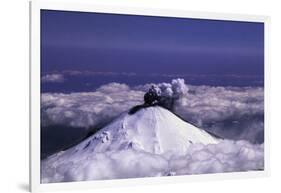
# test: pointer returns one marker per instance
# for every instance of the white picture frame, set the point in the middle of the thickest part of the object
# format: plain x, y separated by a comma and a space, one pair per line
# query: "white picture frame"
36, 6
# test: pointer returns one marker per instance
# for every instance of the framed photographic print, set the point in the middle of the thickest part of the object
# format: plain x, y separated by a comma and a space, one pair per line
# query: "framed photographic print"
123, 95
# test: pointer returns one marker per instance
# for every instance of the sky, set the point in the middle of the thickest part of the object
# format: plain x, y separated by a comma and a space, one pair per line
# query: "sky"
145, 45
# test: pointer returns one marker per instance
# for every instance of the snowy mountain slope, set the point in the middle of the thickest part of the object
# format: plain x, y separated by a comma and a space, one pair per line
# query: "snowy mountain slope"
151, 142
154, 129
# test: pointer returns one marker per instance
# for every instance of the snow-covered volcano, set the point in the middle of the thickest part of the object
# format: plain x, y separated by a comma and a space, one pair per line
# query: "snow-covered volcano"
152, 130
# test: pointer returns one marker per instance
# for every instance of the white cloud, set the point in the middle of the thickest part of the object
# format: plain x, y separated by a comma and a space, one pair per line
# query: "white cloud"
230, 112
88, 109
53, 78
227, 156
217, 103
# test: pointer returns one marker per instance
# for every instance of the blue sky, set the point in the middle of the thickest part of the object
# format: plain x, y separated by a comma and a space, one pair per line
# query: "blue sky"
150, 45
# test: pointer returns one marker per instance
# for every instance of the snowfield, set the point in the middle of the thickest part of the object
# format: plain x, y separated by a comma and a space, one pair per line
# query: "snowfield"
151, 142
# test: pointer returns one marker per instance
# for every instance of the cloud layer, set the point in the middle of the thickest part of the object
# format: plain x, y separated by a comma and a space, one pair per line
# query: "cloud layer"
230, 112
58, 78
235, 113
88, 109
227, 156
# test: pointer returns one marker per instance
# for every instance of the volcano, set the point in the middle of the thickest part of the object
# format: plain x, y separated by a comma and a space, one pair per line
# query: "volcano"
152, 130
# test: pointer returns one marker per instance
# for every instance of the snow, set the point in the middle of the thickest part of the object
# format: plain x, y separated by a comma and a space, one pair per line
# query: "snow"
151, 142
153, 129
